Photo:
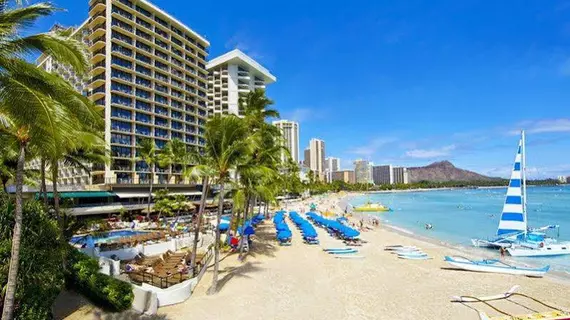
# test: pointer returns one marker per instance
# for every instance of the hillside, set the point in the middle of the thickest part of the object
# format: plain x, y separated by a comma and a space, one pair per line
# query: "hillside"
443, 171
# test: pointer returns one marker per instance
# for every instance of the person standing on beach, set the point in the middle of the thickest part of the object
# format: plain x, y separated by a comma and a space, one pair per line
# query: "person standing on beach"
502, 251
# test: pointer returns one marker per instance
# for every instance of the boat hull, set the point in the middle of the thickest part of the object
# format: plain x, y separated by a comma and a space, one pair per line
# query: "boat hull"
477, 266
480, 243
546, 251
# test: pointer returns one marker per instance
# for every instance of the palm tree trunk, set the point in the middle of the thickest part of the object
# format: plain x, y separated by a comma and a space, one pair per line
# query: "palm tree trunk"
55, 194
205, 188
8, 311
214, 288
43, 187
245, 217
266, 208
150, 192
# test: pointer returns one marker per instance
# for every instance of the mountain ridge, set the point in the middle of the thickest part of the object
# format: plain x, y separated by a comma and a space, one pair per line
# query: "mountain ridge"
442, 171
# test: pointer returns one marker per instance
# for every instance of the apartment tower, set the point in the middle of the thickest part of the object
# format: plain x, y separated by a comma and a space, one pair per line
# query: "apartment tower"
290, 134
317, 157
362, 171
400, 175
230, 76
149, 73
332, 164
383, 174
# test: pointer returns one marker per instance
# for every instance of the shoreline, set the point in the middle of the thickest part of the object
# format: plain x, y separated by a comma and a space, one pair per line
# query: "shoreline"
472, 252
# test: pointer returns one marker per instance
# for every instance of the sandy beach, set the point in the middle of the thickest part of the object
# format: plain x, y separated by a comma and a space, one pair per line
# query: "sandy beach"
303, 282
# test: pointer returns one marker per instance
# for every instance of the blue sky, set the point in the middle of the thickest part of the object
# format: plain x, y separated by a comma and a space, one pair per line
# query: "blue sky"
404, 82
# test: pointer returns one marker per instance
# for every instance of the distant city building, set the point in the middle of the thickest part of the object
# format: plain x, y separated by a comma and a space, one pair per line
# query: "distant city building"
400, 175
383, 174
307, 158
362, 171
230, 76
317, 157
344, 175
331, 165
290, 133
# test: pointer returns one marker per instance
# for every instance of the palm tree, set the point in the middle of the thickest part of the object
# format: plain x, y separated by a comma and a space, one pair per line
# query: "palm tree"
148, 154
37, 109
174, 153
227, 145
255, 106
200, 170
86, 147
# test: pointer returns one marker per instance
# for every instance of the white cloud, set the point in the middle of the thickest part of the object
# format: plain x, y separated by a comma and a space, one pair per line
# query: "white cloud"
373, 146
544, 126
430, 153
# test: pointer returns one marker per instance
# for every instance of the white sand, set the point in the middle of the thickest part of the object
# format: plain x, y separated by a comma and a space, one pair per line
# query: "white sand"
303, 282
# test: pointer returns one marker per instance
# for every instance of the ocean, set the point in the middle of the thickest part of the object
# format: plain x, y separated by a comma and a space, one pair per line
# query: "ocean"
461, 214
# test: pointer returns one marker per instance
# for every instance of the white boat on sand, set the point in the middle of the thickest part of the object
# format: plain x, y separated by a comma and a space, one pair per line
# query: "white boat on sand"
494, 266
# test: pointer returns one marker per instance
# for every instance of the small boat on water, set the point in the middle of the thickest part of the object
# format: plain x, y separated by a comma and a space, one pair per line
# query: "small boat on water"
553, 313
513, 232
494, 266
372, 207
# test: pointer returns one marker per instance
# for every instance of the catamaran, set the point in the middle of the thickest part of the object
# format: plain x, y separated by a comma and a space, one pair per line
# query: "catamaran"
513, 232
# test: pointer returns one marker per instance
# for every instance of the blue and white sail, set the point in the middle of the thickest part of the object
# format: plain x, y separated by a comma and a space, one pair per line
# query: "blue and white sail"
513, 217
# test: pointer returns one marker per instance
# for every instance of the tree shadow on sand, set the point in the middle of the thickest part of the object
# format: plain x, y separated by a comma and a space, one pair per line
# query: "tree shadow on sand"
242, 271
132, 315
264, 243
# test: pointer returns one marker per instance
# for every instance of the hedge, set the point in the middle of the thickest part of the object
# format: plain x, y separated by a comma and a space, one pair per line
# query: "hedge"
107, 292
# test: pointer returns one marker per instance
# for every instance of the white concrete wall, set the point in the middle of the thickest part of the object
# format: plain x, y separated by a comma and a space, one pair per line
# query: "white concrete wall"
175, 294
110, 267
158, 248
233, 96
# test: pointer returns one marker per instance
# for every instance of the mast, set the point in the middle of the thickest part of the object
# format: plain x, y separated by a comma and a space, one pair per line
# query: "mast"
523, 176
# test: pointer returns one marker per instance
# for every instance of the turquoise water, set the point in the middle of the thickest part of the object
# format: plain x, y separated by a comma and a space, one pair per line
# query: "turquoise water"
459, 215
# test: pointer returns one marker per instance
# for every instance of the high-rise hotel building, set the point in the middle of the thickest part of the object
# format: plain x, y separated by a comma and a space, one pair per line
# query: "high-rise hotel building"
290, 135
149, 73
232, 75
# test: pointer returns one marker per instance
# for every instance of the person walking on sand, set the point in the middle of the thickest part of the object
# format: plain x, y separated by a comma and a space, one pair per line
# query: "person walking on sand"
502, 251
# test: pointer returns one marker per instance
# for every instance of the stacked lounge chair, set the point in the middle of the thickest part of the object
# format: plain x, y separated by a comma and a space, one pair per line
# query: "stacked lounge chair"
334, 227
308, 231
283, 233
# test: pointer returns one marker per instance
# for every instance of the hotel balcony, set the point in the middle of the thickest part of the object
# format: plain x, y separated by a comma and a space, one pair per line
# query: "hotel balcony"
97, 56
96, 6
97, 44
97, 30
97, 18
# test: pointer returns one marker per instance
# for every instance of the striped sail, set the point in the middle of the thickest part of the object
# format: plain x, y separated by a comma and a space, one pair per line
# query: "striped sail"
513, 218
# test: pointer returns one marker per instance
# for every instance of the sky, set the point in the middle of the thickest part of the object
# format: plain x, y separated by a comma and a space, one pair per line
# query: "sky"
404, 82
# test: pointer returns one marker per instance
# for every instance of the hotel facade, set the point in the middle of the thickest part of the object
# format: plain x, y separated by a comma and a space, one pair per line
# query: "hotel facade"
148, 71
290, 134
232, 75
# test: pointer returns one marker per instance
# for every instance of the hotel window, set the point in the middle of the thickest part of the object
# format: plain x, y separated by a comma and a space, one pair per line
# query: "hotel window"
144, 23
144, 12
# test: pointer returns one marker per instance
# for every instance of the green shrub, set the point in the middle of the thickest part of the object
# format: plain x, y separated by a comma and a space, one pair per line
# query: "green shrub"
83, 276
40, 276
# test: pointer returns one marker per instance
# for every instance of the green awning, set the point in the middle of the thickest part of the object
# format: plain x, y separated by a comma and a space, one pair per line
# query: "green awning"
79, 194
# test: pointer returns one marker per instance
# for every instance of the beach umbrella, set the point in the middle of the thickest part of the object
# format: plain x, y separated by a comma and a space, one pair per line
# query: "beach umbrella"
281, 226
284, 234
224, 225
248, 231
